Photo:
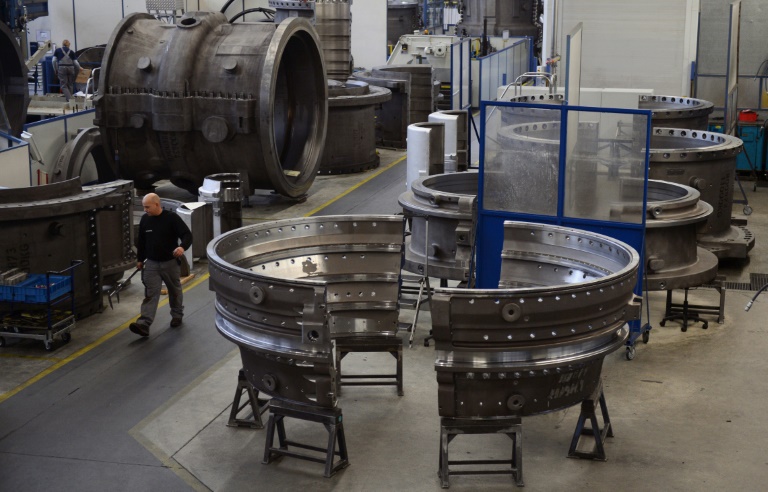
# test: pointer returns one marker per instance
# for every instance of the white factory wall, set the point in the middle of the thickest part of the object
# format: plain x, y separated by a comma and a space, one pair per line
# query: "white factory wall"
369, 33
649, 44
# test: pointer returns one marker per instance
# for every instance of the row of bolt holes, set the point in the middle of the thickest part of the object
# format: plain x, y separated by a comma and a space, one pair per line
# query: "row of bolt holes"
293, 228
580, 240
293, 261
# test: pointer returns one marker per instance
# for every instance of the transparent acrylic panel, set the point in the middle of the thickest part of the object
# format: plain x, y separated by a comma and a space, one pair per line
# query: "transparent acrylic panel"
456, 76
605, 166
466, 76
493, 81
522, 154
485, 78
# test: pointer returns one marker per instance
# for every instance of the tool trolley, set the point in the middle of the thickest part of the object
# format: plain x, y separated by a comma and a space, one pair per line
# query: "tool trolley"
41, 307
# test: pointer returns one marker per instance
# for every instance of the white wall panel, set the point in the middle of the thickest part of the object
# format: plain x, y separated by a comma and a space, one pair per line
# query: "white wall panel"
369, 33
649, 44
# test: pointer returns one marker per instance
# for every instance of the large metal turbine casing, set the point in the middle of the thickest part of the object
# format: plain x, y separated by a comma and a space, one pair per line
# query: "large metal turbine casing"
46, 227
674, 214
204, 97
76, 155
391, 128
531, 115
446, 201
537, 343
705, 161
14, 86
402, 19
286, 289
350, 145
515, 16
421, 95
333, 22
527, 166
677, 111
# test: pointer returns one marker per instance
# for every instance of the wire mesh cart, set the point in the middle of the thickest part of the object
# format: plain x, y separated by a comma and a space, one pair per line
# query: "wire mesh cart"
41, 307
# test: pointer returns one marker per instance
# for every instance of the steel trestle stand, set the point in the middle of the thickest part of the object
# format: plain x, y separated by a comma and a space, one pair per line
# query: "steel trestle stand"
330, 418
589, 412
258, 406
452, 427
392, 345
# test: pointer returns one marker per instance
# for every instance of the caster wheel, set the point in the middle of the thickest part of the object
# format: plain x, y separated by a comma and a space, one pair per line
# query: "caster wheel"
747, 210
646, 336
426, 343
683, 328
66, 337
630, 352
48, 345
662, 323
705, 326
2, 342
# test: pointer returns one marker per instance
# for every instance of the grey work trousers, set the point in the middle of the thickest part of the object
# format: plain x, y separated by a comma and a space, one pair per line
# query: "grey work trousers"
153, 274
67, 80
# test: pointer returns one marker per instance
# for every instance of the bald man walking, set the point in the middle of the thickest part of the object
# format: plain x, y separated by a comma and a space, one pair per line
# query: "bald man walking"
163, 238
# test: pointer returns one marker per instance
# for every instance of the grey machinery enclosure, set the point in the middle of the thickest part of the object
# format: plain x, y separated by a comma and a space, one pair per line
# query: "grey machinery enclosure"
519, 17
402, 18
47, 227
203, 96
705, 161
350, 145
333, 21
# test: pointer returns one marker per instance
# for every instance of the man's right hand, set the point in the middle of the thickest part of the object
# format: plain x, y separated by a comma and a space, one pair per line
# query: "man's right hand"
139, 265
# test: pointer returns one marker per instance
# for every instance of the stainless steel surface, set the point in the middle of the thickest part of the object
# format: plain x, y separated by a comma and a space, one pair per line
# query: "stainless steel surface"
673, 259
224, 193
537, 343
14, 87
402, 19
204, 96
446, 201
705, 161
46, 227
350, 145
285, 289
677, 111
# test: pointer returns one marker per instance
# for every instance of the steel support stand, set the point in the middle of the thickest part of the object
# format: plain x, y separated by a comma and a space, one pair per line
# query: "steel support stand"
258, 407
393, 345
593, 433
452, 427
330, 418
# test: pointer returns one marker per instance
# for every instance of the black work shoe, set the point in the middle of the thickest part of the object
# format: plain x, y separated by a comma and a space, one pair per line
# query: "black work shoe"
139, 329
175, 322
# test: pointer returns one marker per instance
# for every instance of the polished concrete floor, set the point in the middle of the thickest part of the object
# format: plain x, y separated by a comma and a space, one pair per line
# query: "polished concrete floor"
109, 411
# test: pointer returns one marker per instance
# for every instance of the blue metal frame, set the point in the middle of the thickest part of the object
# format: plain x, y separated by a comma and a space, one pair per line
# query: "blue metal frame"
488, 58
15, 143
65, 118
490, 223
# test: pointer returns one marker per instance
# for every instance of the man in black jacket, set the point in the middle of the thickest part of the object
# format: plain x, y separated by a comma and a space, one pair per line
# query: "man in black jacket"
160, 233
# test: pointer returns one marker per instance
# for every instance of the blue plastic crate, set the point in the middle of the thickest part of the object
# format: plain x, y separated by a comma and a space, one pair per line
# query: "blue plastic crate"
34, 289
5, 293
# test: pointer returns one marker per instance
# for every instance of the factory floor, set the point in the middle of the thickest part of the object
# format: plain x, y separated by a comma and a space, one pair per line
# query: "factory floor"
111, 411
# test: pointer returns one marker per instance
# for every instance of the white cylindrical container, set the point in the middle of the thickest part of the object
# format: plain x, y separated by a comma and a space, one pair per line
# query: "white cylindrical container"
451, 122
426, 149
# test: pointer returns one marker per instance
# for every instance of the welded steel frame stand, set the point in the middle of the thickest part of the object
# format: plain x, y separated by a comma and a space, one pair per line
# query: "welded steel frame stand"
258, 406
452, 427
330, 418
589, 412
393, 345
691, 313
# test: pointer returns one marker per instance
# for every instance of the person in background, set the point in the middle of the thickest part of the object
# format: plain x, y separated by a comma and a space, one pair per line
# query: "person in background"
66, 66
163, 238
